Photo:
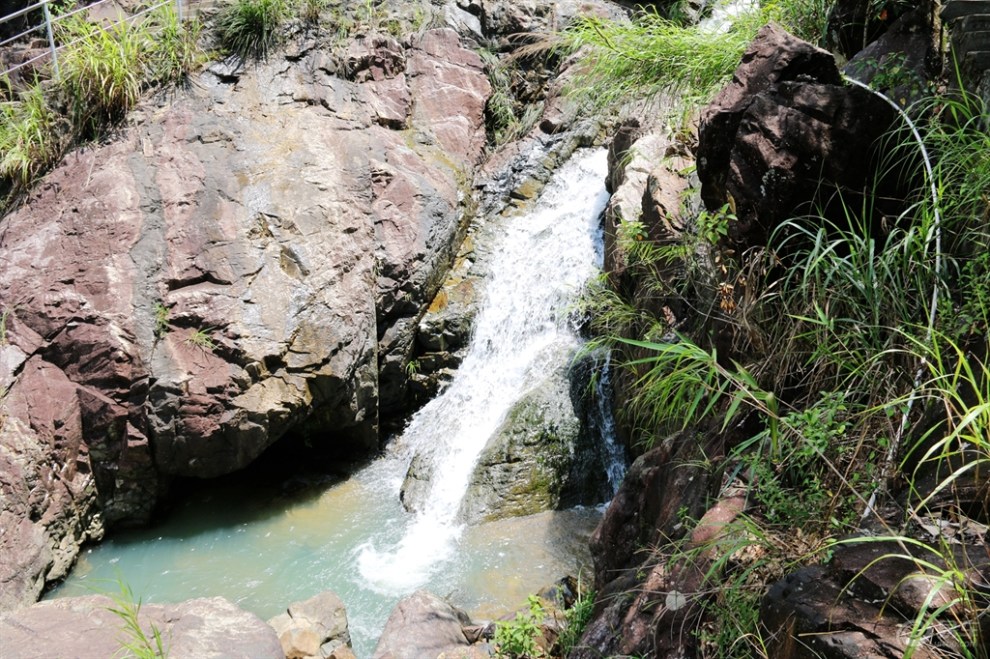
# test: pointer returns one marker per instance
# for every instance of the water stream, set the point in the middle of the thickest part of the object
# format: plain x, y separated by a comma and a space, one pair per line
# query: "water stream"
266, 545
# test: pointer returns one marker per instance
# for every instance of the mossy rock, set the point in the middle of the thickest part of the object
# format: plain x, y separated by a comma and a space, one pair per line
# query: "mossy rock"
541, 457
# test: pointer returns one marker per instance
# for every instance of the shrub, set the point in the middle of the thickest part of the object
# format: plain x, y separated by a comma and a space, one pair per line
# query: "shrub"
517, 639
251, 28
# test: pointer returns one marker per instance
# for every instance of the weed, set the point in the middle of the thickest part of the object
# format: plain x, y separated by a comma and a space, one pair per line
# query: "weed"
576, 620
30, 136
137, 642
517, 639
3, 326
102, 71
251, 28
173, 46
161, 319
310, 11
201, 339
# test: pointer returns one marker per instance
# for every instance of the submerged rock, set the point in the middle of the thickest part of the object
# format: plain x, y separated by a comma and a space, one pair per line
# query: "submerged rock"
545, 455
86, 628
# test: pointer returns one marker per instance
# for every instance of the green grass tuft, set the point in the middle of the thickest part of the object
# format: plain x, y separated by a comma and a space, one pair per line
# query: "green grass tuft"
251, 28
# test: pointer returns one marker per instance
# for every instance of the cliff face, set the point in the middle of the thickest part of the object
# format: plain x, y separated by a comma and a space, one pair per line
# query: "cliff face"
693, 557
239, 262
244, 258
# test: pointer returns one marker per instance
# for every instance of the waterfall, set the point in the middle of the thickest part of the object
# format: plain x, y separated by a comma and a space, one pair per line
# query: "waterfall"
613, 452
540, 266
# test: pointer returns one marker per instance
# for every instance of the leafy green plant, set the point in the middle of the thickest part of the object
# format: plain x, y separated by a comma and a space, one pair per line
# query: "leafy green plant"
136, 642
517, 639
251, 28
713, 227
794, 490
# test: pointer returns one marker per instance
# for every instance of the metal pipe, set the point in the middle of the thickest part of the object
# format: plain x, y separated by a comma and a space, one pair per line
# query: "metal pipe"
51, 37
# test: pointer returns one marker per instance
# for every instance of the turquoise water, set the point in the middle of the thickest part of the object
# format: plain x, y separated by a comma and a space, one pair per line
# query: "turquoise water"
265, 542
265, 545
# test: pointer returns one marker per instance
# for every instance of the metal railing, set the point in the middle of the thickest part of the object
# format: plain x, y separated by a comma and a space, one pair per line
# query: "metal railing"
50, 21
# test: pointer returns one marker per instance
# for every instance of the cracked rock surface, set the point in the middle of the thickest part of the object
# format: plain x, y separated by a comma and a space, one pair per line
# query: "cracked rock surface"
245, 259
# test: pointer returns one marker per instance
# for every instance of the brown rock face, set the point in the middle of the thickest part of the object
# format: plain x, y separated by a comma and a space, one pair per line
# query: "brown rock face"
866, 600
250, 258
783, 132
645, 597
423, 625
84, 627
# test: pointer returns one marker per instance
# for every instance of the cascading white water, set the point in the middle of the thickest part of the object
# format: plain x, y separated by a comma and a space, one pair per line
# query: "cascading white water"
543, 260
265, 544
614, 452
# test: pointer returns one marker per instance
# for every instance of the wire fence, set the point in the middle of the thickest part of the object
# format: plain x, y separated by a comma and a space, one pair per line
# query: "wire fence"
50, 20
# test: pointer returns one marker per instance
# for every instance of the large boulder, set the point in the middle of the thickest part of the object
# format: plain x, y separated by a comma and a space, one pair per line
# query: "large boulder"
423, 625
87, 628
783, 132
316, 627
542, 457
865, 601
244, 260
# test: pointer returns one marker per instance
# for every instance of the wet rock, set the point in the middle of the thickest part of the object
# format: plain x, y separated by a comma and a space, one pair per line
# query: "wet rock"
316, 627
84, 627
540, 458
447, 324
783, 132
423, 625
